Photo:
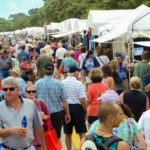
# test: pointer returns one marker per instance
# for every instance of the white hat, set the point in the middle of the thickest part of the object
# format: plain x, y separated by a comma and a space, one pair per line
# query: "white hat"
89, 145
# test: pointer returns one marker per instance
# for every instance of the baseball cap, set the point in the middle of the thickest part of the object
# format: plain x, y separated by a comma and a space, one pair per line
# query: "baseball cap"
109, 96
73, 69
89, 145
119, 54
17, 71
49, 66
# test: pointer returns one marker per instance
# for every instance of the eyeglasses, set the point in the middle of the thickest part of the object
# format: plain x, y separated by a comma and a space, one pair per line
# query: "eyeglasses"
10, 89
31, 91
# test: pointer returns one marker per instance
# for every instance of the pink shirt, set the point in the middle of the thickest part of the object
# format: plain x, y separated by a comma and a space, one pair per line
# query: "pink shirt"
41, 106
76, 54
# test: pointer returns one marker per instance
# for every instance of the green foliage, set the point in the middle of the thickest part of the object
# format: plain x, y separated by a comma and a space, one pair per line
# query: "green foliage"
59, 10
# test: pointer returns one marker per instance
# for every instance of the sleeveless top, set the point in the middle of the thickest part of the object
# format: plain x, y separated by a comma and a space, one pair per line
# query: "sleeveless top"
101, 139
136, 100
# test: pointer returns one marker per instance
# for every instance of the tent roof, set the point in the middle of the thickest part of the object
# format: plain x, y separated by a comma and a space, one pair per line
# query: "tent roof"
126, 24
97, 18
65, 34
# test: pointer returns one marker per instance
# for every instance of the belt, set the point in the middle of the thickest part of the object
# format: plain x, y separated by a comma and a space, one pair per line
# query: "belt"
10, 148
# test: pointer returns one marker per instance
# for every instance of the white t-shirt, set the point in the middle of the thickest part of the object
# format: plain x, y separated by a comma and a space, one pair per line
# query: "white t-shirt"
103, 60
81, 59
143, 123
60, 53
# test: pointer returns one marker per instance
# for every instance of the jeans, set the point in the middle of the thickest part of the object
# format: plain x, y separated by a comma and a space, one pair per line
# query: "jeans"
4, 74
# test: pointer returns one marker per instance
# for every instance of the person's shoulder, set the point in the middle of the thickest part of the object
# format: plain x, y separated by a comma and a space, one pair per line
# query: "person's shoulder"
122, 145
2, 103
28, 101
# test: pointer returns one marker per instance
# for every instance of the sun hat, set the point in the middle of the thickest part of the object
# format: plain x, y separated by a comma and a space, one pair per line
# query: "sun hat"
109, 96
17, 71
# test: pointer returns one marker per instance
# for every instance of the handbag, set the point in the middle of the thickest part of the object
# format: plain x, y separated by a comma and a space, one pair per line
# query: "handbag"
51, 139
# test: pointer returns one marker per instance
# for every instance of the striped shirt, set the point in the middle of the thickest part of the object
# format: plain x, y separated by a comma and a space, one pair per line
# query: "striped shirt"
75, 90
52, 92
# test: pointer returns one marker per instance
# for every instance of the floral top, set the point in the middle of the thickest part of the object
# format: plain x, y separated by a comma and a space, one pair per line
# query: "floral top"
126, 131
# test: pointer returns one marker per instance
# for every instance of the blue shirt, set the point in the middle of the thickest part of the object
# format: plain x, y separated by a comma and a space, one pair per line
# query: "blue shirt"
22, 85
52, 91
146, 81
121, 70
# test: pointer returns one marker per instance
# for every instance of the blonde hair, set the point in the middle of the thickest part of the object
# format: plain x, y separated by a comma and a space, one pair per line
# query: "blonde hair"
67, 53
29, 83
96, 75
135, 82
114, 65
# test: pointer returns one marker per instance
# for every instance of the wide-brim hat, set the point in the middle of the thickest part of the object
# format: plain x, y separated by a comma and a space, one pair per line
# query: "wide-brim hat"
17, 71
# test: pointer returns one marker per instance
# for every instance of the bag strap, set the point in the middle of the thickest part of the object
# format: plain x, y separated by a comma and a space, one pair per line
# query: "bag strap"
112, 140
101, 60
90, 137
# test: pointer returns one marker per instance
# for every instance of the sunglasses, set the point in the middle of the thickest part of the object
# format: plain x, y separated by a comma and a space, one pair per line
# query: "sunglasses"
10, 89
31, 91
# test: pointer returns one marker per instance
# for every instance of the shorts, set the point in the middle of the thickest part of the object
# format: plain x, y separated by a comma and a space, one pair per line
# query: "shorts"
88, 80
91, 119
77, 120
57, 120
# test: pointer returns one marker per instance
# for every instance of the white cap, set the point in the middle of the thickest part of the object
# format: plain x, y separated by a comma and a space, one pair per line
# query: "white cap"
89, 145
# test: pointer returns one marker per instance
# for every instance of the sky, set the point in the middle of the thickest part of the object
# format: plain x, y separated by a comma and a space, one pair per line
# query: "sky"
8, 7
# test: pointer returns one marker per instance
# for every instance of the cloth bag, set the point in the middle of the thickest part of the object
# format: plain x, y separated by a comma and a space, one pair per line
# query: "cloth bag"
51, 139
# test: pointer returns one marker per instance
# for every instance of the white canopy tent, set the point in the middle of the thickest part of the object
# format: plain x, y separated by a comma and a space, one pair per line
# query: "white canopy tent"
98, 18
128, 25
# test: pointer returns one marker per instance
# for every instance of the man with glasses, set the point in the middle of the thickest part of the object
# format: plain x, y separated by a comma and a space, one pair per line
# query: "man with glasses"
13, 109
6, 64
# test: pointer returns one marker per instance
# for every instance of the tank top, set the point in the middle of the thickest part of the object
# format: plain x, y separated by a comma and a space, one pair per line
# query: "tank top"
136, 100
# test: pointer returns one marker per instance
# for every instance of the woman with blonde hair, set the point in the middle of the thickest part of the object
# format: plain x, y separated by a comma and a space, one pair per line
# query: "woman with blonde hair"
93, 92
117, 80
135, 99
41, 107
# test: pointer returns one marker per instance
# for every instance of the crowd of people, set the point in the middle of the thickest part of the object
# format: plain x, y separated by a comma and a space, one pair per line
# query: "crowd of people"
74, 87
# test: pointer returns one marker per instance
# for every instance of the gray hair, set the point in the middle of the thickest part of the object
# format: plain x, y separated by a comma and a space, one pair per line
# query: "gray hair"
71, 53
11, 81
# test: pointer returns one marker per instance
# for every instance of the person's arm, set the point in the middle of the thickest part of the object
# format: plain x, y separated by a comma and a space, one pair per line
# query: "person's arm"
88, 101
112, 85
12, 131
147, 88
67, 113
147, 103
121, 97
123, 146
56, 59
84, 105
41, 137
141, 140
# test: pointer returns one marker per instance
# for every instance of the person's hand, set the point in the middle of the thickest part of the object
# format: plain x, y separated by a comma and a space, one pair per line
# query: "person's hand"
19, 131
67, 118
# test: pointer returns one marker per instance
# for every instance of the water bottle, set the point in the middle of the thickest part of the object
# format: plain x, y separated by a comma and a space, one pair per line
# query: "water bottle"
24, 122
24, 125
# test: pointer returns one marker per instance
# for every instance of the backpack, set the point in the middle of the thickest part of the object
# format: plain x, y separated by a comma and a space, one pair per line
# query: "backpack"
89, 64
106, 144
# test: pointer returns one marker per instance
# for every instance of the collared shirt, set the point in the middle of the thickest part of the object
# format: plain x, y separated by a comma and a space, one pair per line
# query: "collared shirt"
75, 90
22, 85
52, 91
11, 118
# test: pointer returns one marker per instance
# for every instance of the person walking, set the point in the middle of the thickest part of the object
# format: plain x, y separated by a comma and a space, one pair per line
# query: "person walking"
77, 105
53, 92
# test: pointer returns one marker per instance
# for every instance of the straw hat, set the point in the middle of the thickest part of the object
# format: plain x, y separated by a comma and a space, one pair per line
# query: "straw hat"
17, 71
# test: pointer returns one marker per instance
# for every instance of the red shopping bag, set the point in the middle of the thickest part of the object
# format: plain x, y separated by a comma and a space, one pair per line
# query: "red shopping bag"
62, 69
51, 139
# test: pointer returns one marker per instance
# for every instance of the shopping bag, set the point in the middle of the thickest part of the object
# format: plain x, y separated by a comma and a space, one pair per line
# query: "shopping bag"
51, 139
62, 69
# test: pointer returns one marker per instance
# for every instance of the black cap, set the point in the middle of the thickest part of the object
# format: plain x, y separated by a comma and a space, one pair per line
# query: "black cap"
49, 66
73, 69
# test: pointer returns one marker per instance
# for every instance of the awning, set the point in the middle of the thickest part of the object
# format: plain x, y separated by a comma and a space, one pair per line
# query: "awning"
143, 43
65, 34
